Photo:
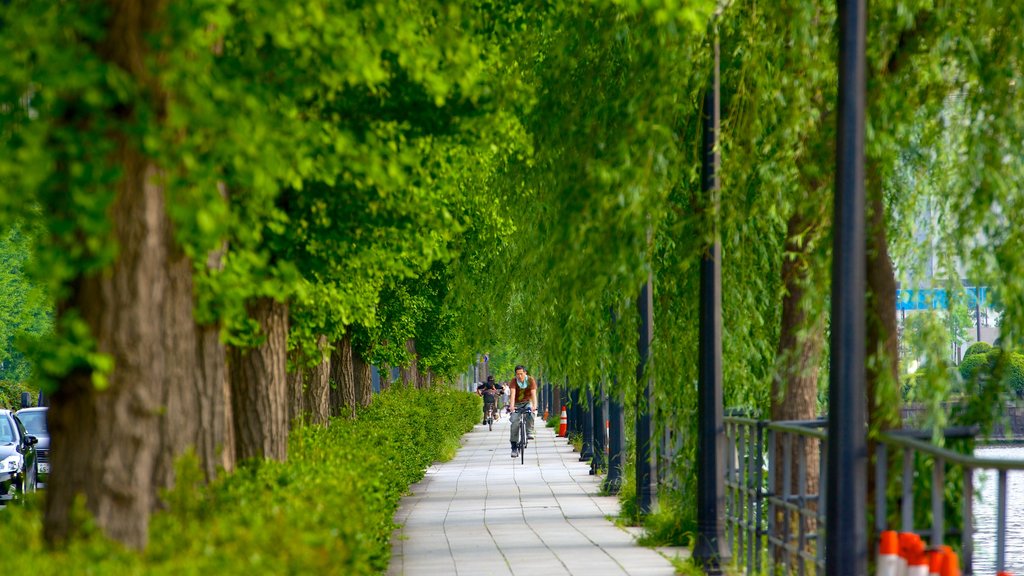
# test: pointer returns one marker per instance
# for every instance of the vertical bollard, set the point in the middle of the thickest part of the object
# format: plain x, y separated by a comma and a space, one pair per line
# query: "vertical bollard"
588, 427
616, 440
597, 425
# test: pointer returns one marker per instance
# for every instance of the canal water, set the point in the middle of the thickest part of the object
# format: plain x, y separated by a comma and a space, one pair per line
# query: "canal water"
985, 503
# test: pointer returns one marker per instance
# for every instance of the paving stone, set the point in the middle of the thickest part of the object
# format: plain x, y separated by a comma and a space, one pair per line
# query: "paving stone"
485, 513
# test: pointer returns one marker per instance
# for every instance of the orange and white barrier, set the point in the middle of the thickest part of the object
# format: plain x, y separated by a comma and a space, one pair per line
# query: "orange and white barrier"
916, 557
950, 563
563, 423
888, 555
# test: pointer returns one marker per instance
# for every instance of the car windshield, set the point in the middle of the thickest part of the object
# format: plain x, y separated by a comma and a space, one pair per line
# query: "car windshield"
35, 422
6, 431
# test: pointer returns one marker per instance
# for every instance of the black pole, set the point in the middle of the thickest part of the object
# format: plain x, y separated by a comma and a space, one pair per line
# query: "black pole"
587, 451
645, 479
711, 550
616, 439
542, 401
597, 442
846, 547
574, 414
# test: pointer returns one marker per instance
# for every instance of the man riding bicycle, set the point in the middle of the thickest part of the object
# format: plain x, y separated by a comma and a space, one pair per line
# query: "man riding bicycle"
522, 398
489, 391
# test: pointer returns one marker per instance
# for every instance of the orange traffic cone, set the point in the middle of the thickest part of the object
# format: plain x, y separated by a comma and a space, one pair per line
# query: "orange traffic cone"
938, 562
563, 422
917, 560
888, 554
950, 564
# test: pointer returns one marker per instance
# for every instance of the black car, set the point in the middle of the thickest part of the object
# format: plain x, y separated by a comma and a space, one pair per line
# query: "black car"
34, 420
17, 457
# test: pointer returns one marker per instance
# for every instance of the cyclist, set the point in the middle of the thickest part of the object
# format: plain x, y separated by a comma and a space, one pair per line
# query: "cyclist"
489, 391
522, 390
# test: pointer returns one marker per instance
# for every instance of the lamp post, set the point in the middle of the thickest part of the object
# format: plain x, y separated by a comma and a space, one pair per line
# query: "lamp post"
645, 478
711, 550
846, 547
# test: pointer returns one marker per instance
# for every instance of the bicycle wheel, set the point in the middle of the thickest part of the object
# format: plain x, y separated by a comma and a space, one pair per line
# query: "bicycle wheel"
522, 439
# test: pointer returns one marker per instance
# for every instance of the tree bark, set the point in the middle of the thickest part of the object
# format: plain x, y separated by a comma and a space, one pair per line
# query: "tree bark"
259, 395
215, 443
801, 344
385, 377
179, 427
409, 374
295, 392
318, 387
105, 438
882, 343
343, 392
363, 380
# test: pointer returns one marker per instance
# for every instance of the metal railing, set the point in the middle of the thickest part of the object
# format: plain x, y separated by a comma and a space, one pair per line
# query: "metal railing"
772, 508
775, 511
915, 447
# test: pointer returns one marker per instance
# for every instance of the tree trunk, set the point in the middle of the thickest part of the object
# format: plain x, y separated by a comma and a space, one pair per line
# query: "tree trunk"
295, 392
409, 375
882, 346
801, 344
318, 387
179, 425
105, 438
259, 396
363, 380
343, 392
385, 376
215, 443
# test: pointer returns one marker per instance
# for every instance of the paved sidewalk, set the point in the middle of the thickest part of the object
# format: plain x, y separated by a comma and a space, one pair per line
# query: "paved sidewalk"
485, 513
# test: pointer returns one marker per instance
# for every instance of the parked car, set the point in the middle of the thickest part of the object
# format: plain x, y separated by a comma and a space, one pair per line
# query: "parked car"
34, 420
17, 457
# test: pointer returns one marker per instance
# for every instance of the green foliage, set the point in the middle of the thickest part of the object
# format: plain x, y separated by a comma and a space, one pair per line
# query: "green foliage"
973, 365
328, 510
504, 177
25, 313
976, 348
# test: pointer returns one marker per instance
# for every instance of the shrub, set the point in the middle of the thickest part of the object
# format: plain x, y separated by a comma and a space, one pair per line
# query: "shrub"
10, 394
1011, 371
977, 348
972, 364
327, 510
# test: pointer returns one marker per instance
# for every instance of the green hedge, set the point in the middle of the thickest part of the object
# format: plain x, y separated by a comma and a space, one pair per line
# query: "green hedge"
328, 510
972, 365
980, 367
977, 348
10, 394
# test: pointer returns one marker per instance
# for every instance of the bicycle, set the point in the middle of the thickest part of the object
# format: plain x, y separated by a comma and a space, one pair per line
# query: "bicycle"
492, 414
523, 412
